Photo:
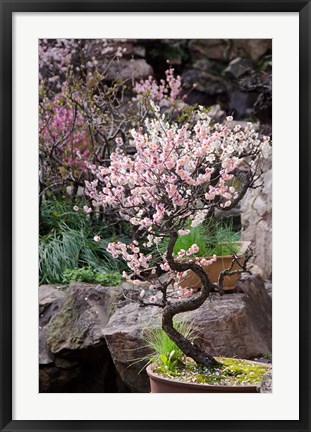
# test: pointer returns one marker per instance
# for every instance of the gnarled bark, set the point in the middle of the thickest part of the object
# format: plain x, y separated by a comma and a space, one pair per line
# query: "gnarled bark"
169, 311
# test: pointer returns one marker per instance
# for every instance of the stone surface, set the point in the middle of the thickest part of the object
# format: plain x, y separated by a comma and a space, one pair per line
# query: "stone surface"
256, 219
73, 354
237, 324
129, 69
266, 384
124, 337
238, 67
215, 49
79, 323
50, 297
249, 48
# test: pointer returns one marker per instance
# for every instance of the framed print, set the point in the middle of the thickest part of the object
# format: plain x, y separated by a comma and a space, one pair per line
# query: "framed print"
143, 144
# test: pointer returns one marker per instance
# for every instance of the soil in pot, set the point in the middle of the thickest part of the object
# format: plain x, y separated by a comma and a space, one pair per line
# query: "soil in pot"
235, 376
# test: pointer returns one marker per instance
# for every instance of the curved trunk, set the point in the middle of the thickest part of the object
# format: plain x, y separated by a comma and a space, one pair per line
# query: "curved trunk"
188, 348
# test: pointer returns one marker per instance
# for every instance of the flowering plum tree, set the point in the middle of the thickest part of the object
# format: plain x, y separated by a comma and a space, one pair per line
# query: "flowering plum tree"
178, 173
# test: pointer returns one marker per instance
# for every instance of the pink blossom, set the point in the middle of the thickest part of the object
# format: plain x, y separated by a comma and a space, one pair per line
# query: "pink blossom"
183, 232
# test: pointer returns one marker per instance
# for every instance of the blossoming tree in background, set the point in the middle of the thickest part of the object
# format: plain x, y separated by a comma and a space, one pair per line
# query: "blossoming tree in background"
180, 172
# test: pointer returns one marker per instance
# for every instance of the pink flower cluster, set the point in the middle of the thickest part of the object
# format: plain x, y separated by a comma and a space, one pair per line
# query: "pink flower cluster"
63, 131
192, 250
136, 260
165, 93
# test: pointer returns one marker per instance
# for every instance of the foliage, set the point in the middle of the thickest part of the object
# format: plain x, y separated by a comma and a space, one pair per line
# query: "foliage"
163, 351
88, 274
210, 237
69, 243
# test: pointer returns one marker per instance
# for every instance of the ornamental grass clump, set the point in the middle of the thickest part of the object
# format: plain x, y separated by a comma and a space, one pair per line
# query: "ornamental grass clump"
179, 172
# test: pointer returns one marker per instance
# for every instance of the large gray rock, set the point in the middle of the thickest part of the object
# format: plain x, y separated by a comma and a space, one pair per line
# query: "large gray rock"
125, 69
73, 354
237, 324
256, 219
266, 384
79, 323
125, 341
50, 300
228, 49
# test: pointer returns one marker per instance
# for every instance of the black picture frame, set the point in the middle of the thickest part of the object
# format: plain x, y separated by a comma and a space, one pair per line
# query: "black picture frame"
7, 9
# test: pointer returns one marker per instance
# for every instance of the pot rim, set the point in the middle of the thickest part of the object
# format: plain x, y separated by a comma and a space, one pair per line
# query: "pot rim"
159, 378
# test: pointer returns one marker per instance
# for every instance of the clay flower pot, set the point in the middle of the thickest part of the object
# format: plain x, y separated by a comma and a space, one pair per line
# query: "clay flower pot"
160, 384
213, 270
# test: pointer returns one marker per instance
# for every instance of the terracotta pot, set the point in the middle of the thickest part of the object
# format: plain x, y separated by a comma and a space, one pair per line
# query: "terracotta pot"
159, 384
214, 269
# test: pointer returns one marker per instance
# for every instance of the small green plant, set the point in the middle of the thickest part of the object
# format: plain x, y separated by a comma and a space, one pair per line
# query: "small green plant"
212, 238
163, 351
88, 274
267, 355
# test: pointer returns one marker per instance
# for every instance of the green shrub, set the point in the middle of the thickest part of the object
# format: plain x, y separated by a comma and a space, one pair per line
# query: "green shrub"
88, 274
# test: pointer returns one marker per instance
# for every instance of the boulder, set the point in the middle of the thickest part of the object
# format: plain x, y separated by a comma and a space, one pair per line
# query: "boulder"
266, 384
126, 69
256, 220
237, 324
124, 337
204, 82
73, 354
79, 323
50, 299
228, 49
238, 67
215, 49
253, 49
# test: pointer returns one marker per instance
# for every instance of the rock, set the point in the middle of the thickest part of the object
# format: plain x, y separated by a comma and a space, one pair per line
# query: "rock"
256, 220
242, 103
124, 337
50, 299
228, 49
253, 49
238, 67
79, 323
125, 69
266, 384
268, 286
73, 354
45, 355
237, 324
216, 113
48, 294
204, 82
215, 49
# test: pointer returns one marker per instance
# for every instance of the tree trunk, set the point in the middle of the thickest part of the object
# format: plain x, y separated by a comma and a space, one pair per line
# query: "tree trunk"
188, 348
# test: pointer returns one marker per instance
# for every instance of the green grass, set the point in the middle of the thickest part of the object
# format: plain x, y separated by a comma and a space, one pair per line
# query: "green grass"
68, 243
210, 237
163, 351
